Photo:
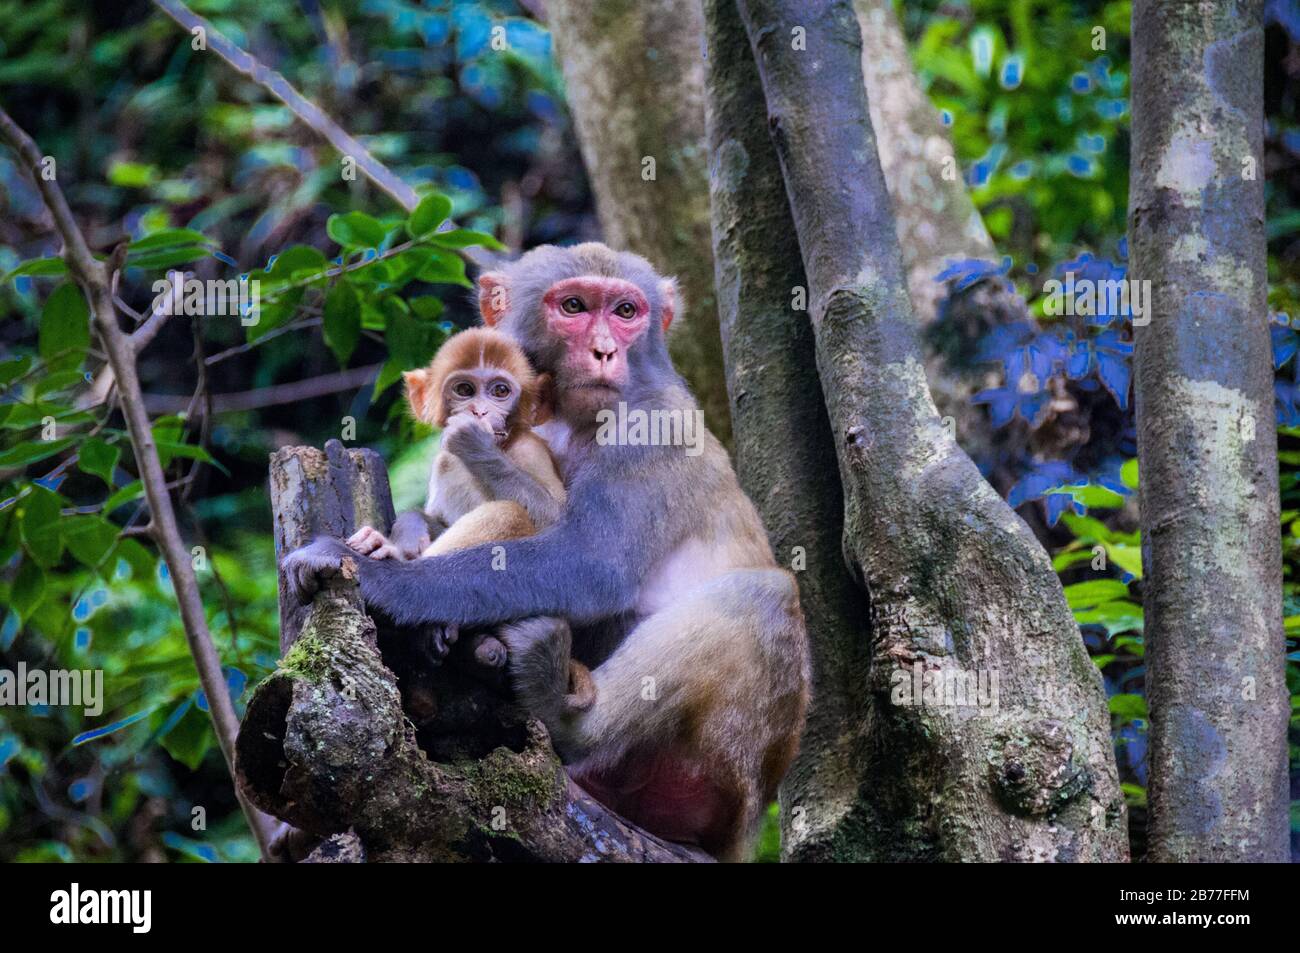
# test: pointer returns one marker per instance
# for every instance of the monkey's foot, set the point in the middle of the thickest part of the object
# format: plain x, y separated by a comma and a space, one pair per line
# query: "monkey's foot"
489, 652
368, 541
435, 641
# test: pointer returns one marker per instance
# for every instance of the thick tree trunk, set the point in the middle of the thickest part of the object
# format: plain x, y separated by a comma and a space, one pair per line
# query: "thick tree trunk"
330, 745
959, 588
635, 76
1206, 438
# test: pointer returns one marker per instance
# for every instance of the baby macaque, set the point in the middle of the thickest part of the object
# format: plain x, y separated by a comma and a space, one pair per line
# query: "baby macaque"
482, 391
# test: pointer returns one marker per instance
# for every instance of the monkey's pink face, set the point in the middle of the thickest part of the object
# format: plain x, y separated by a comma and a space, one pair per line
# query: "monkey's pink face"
598, 319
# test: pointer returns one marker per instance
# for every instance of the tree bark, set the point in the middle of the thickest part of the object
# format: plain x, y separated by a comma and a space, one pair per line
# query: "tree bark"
1206, 439
959, 589
934, 216
634, 70
331, 746
785, 455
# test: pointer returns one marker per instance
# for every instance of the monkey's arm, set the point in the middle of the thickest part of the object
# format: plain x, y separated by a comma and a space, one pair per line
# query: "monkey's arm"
588, 566
501, 476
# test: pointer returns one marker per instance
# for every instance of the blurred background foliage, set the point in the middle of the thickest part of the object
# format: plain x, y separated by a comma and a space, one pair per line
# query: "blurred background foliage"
152, 137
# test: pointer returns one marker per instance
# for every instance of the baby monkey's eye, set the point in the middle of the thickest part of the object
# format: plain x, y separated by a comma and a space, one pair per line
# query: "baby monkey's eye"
500, 391
463, 389
626, 310
572, 305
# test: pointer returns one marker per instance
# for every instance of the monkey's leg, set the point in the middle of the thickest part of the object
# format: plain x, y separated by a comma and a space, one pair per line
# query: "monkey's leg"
706, 697
496, 520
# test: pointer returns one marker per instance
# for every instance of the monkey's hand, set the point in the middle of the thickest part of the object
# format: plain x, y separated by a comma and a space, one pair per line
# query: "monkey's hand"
466, 436
368, 541
305, 567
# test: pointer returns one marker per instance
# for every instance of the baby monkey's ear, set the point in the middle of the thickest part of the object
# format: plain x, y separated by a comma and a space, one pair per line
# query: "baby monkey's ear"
545, 408
419, 395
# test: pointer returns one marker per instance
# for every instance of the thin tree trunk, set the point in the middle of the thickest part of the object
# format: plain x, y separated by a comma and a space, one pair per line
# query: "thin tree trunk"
959, 588
933, 214
785, 455
635, 76
1206, 439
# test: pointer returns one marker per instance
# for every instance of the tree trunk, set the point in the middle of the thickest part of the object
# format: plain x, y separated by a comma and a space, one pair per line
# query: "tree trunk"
1206, 439
331, 746
933, 214
959, 589
785, 456
635, 76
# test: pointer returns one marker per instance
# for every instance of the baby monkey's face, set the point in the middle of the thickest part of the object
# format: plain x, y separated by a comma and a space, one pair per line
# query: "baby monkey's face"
488, 395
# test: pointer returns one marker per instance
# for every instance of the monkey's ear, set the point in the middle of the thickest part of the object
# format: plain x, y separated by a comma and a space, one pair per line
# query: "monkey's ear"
493, 298
667, 301
418, 387
545, 408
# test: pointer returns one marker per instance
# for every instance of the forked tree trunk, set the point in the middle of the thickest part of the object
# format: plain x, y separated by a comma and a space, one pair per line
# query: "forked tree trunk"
634, 71
1206, 438
330, 745
959, 589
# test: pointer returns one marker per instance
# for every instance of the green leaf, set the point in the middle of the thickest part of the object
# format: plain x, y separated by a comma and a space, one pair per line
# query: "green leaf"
38, 514
1128, 707
465, 237
1128, 558
40, 268
445, 268
90, 539
1115, 617
65, 324
98, 458
428, 215
132, 491
1128, 473
356, 230
10, 371
190, 739
27, 590
297, 262
165, 258
168, 238
30, 452
132, 175
342, 324
1094, 592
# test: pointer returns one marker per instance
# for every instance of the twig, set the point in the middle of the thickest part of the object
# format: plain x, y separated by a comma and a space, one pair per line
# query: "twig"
270, 396
95, 277
300, 106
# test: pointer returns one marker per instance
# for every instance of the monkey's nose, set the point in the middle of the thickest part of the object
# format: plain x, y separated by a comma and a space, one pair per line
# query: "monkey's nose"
604, 356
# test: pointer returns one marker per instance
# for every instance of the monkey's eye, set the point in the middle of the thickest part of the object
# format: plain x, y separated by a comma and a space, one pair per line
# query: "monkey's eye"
626, 311
500, 390
572, 305
463, 389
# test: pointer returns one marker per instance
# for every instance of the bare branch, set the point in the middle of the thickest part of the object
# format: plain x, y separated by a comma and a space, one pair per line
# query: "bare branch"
290, 393
299, 105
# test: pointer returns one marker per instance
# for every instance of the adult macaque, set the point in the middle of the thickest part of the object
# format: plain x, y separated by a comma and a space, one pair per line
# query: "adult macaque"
479, 379
658, 573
